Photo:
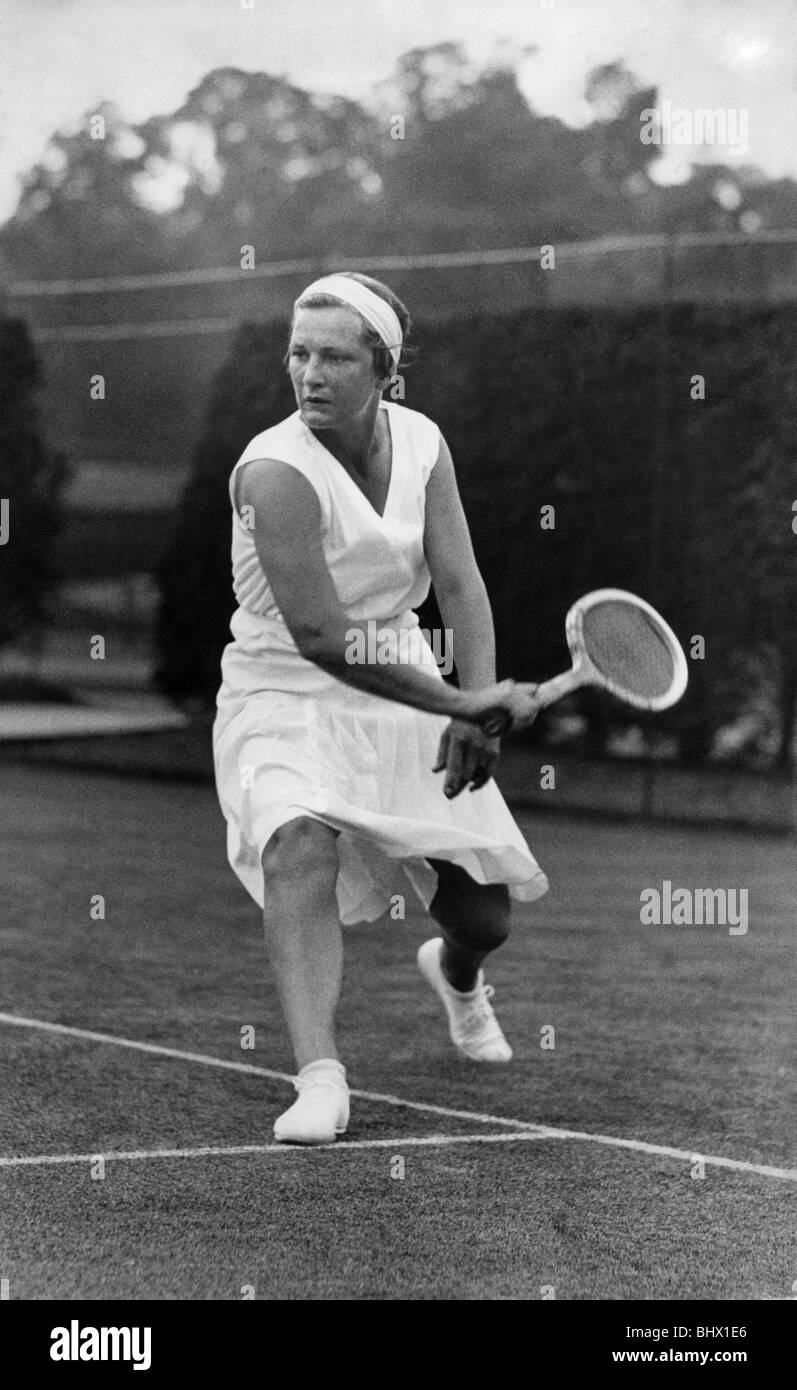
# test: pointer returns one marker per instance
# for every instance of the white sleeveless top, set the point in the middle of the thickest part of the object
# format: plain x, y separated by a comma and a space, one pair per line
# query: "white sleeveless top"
377, 563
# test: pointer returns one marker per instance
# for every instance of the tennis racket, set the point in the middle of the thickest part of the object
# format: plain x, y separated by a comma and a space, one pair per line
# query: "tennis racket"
619, 643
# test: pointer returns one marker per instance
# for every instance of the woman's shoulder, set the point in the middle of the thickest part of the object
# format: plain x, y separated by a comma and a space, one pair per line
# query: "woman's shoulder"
285, 443
286, 434
417, 436
414, 423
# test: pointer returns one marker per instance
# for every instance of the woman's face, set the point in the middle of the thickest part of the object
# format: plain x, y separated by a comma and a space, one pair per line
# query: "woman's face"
331, 368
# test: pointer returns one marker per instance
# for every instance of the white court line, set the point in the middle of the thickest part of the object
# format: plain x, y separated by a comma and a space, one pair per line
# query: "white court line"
522, 1127
249, 1069
238, 1150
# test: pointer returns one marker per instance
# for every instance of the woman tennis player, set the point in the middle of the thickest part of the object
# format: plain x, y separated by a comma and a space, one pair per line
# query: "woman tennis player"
340, 776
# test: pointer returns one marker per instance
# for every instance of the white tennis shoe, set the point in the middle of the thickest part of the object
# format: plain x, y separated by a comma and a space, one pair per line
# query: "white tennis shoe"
474, 1028
321, 1112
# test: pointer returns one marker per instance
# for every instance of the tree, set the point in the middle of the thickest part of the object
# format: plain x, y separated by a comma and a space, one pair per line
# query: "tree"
294, 172
250, 158
247, 158
79, 213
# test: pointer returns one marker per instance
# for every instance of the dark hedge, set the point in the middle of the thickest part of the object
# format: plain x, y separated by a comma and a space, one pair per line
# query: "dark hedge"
687, 502
31, 480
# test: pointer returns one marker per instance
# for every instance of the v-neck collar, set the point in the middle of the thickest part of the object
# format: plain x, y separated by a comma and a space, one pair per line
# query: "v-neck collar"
369, 504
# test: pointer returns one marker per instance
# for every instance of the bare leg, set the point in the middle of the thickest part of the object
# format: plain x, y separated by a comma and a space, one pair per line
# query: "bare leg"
303, 933
474, 920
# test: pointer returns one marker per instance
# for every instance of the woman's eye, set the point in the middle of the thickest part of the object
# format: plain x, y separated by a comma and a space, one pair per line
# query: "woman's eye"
335, 357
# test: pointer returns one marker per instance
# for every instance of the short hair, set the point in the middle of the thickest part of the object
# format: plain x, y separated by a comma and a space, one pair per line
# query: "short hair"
383, 360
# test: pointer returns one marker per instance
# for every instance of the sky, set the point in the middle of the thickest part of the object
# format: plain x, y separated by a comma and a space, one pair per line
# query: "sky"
61, 58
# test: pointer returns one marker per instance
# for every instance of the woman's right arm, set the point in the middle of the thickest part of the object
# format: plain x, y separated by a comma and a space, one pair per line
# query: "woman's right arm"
286, 524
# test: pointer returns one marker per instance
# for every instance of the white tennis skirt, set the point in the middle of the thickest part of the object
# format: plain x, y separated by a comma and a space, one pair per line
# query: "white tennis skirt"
290, 740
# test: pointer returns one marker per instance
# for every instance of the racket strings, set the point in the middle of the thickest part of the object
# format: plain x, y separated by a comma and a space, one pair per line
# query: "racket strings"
628, 648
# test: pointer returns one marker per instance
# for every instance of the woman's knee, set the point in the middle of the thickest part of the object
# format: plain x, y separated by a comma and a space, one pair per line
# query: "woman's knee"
303, 848
476, 915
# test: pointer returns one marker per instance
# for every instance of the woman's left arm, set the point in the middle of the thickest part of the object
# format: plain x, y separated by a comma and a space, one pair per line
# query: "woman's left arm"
466, 753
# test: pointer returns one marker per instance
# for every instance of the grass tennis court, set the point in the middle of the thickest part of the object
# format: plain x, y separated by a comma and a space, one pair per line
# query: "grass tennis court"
671, 1037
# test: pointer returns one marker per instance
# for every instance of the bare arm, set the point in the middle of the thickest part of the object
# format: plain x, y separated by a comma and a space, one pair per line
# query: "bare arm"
466, 754
287, 536
458, 585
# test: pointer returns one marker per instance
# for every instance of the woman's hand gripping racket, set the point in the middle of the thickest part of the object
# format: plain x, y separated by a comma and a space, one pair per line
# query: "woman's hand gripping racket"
618, 643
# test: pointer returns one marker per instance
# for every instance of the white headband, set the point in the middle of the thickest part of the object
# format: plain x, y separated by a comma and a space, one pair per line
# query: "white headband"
376, 312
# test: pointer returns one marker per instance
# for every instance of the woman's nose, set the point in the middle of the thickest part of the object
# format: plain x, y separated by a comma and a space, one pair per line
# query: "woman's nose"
313, 371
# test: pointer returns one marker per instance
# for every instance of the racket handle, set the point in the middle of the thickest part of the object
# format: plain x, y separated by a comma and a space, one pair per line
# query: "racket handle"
559, 686
498, 721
